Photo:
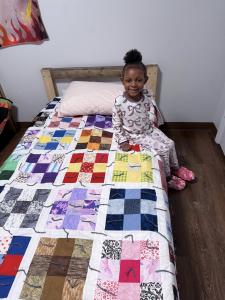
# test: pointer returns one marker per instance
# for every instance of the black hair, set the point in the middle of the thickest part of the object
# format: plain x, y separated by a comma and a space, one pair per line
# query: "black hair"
133, 58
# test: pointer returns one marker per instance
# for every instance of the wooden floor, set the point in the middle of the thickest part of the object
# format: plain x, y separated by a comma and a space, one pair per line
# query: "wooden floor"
197, 214
198, 217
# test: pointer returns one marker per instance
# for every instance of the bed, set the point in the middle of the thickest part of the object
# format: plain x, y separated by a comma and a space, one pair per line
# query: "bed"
80, 219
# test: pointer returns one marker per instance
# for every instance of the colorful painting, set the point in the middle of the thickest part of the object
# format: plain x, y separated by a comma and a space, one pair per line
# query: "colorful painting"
20, 22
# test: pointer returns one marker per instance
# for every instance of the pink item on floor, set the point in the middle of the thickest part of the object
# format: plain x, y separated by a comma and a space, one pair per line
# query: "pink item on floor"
184, 174
176, 183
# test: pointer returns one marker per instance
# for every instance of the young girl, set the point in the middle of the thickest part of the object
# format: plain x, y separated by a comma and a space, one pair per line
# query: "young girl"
135, 117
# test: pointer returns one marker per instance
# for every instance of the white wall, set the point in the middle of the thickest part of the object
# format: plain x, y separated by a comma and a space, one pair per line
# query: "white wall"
185, 38
220, 110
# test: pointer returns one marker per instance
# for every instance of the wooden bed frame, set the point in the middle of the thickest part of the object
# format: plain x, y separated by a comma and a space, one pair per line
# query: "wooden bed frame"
53, 75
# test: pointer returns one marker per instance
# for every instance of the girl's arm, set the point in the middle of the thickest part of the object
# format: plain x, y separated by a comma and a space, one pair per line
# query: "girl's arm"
155, 115
118, 130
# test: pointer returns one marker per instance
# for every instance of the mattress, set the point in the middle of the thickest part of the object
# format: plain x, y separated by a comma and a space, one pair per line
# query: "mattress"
80, 219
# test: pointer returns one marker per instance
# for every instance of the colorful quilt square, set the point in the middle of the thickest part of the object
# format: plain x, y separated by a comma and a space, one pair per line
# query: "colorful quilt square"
59, 133
77, 158
21, 207
40, 119
17, 246
92, 169
95, 139
64, 122
132, 206
87, 167
132, 222
151, 290
51, 146
114, 222
132, 167
127, 254
59, 268
27, 140
99, 121
129, 271
4, 244
149, 222
33, 158
40, 168
126, 274
74, 209
10, 265
132, 209
9, 166
6, 283
52, 140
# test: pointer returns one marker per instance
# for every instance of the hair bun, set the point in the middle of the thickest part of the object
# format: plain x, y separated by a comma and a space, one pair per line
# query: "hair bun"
133, 56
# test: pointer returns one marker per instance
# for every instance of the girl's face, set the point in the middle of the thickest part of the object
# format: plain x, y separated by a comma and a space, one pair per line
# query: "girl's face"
133, 81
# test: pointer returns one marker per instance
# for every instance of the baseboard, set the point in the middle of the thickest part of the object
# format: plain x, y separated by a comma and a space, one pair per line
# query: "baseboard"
22, 125
190, 125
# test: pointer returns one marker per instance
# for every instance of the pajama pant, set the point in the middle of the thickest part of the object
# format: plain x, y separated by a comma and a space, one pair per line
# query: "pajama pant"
165, 147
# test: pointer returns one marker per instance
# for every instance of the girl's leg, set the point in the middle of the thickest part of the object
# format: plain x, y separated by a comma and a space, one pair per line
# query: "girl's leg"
164, 146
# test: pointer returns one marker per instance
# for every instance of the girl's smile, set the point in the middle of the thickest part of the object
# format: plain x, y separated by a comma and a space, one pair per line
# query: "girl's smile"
134, 81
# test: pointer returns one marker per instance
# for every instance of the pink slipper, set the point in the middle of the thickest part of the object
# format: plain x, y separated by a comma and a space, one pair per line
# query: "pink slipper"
176, 183
184, 174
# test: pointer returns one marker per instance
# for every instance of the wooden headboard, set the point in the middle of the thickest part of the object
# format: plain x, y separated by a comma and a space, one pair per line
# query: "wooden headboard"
53, 75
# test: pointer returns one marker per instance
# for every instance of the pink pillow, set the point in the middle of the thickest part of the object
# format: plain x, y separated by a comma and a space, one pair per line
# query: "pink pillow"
87, 97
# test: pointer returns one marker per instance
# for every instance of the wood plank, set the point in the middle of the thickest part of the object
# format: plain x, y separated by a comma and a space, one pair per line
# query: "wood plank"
52, 75
198, 217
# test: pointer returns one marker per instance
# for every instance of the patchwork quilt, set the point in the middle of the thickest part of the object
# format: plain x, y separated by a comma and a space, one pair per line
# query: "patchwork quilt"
79, 219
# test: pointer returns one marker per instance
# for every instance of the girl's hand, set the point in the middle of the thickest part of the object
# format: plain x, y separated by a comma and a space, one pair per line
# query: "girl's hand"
125, 146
